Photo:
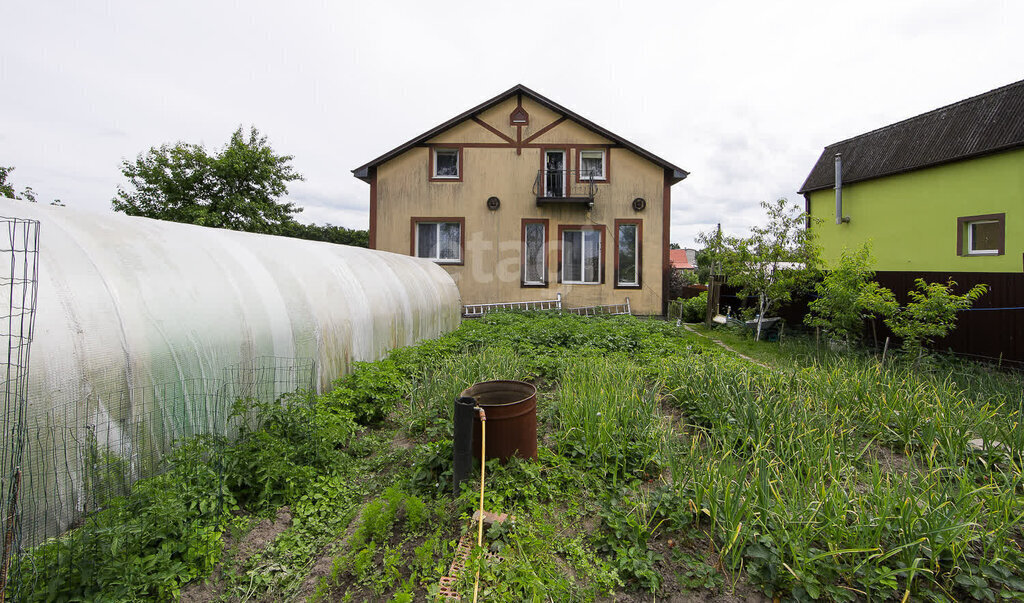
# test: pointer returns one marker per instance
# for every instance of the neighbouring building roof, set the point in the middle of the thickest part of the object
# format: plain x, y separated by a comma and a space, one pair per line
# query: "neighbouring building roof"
362, 171
679, 259
980, 125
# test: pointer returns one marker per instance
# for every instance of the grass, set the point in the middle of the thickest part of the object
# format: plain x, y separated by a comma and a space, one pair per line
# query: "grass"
666, 465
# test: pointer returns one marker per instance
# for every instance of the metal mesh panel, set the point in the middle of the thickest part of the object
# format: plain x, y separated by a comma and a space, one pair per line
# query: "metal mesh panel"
18, 286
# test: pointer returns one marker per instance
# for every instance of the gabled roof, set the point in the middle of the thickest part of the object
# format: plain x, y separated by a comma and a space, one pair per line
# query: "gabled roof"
679, 260
980, 125
362, 171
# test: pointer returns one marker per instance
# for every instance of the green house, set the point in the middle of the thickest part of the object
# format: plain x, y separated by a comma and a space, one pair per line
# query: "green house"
939, 196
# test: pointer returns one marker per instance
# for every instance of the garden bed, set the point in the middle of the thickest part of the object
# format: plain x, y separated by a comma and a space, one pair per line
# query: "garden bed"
667, 467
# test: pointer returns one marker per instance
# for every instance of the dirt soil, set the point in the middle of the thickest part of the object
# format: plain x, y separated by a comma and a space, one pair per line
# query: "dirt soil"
256, 540
322, 566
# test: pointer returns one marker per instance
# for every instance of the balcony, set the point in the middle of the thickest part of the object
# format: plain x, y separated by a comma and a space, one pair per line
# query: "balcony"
565, 187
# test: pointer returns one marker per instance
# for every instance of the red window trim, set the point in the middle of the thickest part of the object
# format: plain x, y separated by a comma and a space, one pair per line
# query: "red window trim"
413, 222
639, 253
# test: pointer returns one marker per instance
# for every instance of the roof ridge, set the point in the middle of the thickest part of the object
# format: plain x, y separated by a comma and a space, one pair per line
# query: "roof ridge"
678, 173
927, 113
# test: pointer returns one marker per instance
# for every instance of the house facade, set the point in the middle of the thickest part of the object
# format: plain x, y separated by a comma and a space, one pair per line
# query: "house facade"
520, 199
939, 196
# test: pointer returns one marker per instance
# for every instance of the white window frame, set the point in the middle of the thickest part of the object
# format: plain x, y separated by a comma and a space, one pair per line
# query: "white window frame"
970, 238
636, 255
604, 164
437, 243
458, 165
583, 246
564, 171
543, 257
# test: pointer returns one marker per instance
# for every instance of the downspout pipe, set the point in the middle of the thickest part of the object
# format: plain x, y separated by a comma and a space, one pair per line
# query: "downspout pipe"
839, 190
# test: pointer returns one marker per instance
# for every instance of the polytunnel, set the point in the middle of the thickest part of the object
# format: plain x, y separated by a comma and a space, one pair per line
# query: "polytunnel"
146, 331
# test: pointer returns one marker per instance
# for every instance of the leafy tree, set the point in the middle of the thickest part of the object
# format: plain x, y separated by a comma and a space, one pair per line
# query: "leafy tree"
6, 188
327, 232
710, 257
237, 188
842, 305
674, 246
930, 314
773, 261
29, 194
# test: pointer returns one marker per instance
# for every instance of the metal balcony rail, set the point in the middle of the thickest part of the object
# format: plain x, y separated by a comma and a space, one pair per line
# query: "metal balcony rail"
565, 185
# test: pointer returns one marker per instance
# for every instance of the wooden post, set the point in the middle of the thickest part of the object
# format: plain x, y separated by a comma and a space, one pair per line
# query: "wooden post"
817, 342
885, 349
9, 529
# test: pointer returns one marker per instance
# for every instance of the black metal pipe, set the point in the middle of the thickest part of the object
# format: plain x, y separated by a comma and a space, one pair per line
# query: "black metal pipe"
462, 447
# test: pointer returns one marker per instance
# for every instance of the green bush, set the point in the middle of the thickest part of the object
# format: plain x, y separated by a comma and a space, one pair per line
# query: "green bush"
369, 392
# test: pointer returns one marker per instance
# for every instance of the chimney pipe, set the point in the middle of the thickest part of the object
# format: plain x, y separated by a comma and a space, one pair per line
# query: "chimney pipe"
839, 190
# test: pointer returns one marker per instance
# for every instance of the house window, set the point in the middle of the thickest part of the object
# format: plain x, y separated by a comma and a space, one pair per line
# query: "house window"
628, 235
446, 164
581, 256
438, 241
592, 165
981, 235
535, 273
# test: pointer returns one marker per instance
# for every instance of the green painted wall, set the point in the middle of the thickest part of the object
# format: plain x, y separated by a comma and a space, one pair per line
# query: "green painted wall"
910, 218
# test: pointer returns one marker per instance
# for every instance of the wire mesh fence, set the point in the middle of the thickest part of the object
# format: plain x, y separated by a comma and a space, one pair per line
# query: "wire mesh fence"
18, 288
85, 459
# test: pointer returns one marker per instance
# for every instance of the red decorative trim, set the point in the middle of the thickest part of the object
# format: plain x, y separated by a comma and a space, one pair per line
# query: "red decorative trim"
493, 130
373, 210
496, 145
639, 253
522, 263
544, 130
543, 166
598, 227
445, 147
462, 237
666, 229
519, 116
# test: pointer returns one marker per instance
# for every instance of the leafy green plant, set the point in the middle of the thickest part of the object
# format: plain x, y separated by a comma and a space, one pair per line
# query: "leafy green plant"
369, 392
840, 307
773, 262
930, 313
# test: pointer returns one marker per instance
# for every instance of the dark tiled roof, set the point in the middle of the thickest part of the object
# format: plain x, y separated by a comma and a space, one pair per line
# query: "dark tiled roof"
984, 124
678, 173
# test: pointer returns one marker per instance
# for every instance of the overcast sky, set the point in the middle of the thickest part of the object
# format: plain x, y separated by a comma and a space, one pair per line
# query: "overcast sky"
744, 95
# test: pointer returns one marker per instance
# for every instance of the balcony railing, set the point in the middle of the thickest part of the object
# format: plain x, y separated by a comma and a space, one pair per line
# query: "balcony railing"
565, 187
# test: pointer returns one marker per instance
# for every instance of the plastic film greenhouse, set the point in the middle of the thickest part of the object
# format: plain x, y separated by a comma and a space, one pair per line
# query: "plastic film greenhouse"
147, 332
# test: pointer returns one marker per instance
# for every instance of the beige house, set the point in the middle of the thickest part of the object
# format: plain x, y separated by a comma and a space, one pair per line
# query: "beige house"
520, 199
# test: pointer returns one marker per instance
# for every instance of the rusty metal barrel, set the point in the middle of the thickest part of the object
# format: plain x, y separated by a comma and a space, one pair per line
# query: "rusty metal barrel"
511, 408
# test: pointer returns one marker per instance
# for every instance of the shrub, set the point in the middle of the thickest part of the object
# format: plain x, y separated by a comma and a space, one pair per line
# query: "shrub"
369, 392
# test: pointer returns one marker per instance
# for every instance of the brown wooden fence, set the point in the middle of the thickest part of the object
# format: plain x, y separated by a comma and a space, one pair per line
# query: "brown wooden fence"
993, 328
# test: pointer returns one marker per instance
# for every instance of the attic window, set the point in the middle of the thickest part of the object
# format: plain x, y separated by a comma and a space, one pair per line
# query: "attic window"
446, 164
519, 117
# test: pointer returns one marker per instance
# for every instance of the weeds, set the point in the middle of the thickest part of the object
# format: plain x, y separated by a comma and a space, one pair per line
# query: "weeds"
832, 478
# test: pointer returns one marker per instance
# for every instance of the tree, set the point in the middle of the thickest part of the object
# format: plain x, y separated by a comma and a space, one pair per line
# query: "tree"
674, 246
841, 306
238, 188
6, 188
772, 262
929, 315
328, 233
29, 194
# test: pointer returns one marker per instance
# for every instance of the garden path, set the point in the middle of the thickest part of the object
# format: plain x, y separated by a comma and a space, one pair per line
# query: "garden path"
719, 342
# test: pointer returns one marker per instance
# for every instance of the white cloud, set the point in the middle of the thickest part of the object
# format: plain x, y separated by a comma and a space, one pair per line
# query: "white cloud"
743, 94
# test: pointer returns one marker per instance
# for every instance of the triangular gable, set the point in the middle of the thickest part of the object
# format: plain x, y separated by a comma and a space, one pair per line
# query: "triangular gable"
363, 171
